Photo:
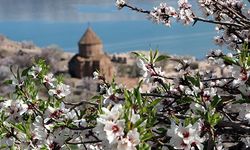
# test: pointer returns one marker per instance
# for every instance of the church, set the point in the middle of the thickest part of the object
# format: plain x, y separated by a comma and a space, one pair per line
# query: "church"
90, 58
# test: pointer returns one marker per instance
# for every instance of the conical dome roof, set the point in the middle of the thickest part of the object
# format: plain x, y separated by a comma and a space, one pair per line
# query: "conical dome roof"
90, 38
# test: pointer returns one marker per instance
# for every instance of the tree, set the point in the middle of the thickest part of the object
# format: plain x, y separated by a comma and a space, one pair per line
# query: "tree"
195, 110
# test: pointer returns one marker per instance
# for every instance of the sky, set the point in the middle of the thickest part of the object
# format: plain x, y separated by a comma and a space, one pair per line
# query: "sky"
69, 10
62, 22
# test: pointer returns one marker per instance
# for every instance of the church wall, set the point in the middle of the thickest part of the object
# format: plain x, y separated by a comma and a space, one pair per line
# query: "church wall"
75, 68
90, 50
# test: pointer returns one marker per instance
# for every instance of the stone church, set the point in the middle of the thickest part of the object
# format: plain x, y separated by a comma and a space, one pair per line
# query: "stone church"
90, 58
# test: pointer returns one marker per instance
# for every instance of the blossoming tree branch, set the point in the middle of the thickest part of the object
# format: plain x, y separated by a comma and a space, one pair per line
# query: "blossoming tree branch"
194, 110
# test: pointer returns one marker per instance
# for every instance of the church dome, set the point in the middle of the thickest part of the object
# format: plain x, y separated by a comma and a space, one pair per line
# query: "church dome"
90, 38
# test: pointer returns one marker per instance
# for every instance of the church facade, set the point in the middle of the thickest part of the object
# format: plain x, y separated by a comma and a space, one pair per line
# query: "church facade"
90, 58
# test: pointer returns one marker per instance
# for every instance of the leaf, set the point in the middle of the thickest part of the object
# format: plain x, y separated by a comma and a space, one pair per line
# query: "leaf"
20, 127
229, 60
144, 146
96, 97
25, 72
154, 103
193, 80
151, 56
128, 98
187, 121
248, 61
162, 57
212, 119
139, 122
140, 55
8, 82
155, 54
137, 54
146, 136
138, 97
162, 130
215, 119
215, 102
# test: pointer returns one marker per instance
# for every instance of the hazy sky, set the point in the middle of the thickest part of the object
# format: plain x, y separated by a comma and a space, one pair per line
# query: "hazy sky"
70, 10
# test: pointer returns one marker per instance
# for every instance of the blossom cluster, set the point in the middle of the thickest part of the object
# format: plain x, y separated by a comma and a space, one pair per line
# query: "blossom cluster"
196, 109
185, 112
186, 137
111, 129
162, 14
150, 72
231, 18
29, 122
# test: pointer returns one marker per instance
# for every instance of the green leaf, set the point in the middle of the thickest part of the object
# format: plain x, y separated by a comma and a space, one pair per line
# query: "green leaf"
138, 97
151, 56
96, 97
187, 121
193, 80
20, 127
212, 119
144, 146
139, 122
248, 61
155, 54
215, 119
127, 97
146, 136
140, 55
154, 103
8, 82
215, 102
25, 72
229, 60
161, 130
162, 57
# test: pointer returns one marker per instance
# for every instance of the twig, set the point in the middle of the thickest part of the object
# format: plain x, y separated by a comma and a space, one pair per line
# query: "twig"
87, 142
80, 103
217, 22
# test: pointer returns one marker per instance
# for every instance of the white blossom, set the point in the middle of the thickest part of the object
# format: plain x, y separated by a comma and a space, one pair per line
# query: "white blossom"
61, 90
114, 130
14, 109
95, 75
113, 114
34, 71
130, 141
120, 3
111, 96
39, 132
49, 80
150, 72
185, 137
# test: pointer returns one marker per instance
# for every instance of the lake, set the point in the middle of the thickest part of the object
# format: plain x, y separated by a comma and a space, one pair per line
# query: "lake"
62, 22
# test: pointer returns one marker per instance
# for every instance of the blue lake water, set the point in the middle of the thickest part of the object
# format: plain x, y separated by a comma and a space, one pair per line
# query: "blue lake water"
123, 34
